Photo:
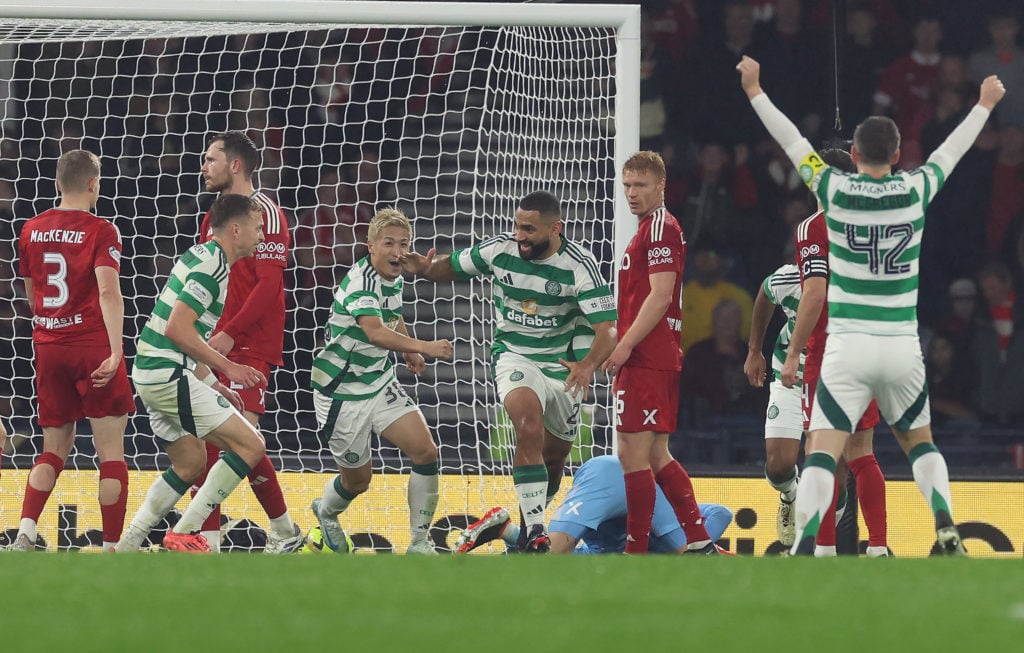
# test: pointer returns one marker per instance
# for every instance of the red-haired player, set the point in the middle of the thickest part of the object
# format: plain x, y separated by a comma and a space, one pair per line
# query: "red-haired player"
647, 361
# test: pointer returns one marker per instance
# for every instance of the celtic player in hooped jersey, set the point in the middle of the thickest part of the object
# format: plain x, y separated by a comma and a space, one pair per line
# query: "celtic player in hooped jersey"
783, 427
356, 392
554, 316
875, 220
173, 376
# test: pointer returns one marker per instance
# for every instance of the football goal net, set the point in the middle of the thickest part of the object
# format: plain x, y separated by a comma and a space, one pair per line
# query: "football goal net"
448, 111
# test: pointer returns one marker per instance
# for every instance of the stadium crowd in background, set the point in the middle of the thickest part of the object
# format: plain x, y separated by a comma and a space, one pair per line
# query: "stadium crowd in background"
323, 135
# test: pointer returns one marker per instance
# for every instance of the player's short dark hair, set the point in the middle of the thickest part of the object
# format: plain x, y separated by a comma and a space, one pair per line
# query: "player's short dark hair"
877, 139
75, 169
544, 203
237, 145
231, 208
840, 159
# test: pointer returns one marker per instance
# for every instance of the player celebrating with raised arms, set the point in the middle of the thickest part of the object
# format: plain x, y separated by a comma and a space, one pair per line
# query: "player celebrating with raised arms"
187, 404
356, 392
875, 220
71, 261
554, 325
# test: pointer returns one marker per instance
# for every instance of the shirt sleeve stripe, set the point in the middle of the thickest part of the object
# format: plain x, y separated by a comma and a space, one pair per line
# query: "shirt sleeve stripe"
271, 214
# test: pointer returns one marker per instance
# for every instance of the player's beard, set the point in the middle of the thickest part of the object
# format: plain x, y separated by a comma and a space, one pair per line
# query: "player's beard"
212, 186
533, 250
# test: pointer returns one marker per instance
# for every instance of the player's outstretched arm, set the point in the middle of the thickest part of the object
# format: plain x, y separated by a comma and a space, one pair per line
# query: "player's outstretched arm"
947, 155
750, 76
428, 266
780, 127
812, 302
754, 366
112, 309
414, 362
380, 335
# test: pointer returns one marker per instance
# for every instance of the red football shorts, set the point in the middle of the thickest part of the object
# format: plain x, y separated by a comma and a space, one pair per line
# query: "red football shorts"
646, 400
868, 420
64, 385
254, 398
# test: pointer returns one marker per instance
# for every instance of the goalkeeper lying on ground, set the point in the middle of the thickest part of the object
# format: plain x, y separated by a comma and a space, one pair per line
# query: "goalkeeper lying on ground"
592, 519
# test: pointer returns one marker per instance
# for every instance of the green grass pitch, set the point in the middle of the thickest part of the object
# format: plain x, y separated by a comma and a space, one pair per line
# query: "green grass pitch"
237, 602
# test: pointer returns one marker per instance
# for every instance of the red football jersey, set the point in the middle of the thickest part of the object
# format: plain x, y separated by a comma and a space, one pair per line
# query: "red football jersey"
812, 259
257, 323
59, 250
657, 246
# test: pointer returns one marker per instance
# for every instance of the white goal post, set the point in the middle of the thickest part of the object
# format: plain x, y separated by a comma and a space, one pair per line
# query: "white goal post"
450, 111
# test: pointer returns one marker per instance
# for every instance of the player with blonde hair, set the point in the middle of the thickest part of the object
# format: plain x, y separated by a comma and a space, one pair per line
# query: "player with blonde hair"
71, 261
356, 392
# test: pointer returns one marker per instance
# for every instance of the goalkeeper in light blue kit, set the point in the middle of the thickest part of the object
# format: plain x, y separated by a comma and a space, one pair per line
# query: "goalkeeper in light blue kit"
592, 519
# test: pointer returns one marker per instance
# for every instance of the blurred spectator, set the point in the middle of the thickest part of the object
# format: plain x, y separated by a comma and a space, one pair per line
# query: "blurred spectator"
712, 384
1001, 303
1007, 196
785, 45
721, 110
652, 102
782, 177
908, 86
720, 196
1005, 59
794, 211
961, 319
671, 26
329, 238
866, 55
938, 119
997, 349
706, 290
951, 380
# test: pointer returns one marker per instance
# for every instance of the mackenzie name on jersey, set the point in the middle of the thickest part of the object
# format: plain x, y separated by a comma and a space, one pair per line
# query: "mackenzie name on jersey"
58, 236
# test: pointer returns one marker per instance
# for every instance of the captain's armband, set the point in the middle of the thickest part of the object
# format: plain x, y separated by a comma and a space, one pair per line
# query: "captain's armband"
810, 167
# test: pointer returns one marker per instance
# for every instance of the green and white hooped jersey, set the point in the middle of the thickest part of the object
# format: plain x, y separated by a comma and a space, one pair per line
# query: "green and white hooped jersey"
544, 310
200, 280
349, 366
874, 233
782, 288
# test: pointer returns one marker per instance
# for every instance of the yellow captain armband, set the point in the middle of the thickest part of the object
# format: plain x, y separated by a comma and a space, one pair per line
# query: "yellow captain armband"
810, 167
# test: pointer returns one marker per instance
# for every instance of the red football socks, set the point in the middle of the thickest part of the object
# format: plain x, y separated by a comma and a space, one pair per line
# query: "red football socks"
113, 514
678, 489
35, 500
871, 494
263, 480
640, 495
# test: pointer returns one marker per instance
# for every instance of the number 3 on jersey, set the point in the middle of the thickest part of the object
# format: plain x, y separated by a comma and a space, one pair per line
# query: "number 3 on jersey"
58, 279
